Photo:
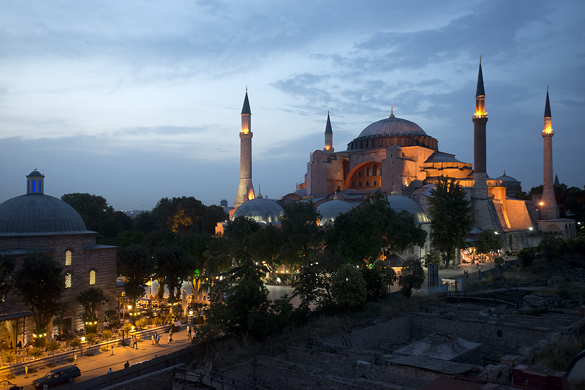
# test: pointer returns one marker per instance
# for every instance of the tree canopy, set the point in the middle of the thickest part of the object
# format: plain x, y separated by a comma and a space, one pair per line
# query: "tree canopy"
40, 283
450, 214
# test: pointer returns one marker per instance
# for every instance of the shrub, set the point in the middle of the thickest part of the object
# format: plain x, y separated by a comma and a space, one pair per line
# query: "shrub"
349, 287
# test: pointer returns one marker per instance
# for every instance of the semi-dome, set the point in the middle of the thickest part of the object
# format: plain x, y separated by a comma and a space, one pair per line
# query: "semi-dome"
331, 209
402, 203
392, 127
260, 210
39, 214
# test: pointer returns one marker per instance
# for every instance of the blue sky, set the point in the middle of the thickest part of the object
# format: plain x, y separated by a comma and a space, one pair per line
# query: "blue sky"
139, 100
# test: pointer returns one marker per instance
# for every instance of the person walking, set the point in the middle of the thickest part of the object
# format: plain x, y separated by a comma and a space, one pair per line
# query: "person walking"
170, 336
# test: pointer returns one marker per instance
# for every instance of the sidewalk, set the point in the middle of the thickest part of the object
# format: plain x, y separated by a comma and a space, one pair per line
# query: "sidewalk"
97, 365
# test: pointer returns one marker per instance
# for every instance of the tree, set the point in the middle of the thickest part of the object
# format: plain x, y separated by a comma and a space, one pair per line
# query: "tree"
549, 247
40, 283
358, 235
302, 237
93, 209
450, 214
173, 266
265, 246
107, 334
489, 241
90, 299
186, 214
433, 257
499, 262
378, 279
135, 263
52, 346
412, 277
126, 328
349, 288
527, 256
6, 268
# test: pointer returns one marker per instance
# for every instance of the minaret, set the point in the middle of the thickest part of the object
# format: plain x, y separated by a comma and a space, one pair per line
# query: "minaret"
246, 189
548, 205
480, 118
328, 136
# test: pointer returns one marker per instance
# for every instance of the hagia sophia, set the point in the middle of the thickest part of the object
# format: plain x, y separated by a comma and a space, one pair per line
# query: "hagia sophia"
398, 157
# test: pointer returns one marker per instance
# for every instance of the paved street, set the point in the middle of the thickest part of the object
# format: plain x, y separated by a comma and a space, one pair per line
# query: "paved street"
99, 364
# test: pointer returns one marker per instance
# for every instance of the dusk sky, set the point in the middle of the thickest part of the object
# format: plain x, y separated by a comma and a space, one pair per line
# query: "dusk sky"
140, 100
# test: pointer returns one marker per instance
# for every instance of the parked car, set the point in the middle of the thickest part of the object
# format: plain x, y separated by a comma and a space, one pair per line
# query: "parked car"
57, 376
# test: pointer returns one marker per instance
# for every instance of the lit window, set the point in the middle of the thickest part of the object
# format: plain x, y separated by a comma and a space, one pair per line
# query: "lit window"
33, 186
67, 280
92, 277
68, 258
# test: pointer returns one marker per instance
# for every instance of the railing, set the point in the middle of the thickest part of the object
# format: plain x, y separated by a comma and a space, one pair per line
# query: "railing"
213, 379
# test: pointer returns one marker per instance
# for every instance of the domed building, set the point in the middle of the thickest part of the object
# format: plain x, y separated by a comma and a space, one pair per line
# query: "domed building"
387, 153
331, 210
512, 185
39, 223
264, 211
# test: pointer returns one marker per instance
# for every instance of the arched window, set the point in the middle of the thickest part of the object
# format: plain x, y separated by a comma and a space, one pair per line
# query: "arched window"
352, 184
359, 183
92, 277
359, 173
67, 280
375, 184
367, 183
68, 258
375, 170
367, 171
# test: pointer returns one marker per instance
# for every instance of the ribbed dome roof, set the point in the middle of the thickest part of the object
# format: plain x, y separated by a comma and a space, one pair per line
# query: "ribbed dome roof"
39, 214
392, 127
331, 209
260, 210
400, 203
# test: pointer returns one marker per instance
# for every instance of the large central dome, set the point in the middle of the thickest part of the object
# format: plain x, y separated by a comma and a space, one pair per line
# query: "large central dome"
392, 127
39, 214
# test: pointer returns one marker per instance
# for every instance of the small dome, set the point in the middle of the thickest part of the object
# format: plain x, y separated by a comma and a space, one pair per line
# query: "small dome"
39, 214
260, 210
331, 209
392, 127
507, 179
402, 203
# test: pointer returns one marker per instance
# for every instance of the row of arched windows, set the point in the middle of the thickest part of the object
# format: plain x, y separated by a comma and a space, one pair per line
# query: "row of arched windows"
374, 184
68, 278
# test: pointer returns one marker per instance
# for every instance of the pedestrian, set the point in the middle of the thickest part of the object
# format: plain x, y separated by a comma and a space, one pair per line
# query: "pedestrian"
135, 342
152, 337
170, 336
189, 333
194, 334
127, 364
110, 371
112, 349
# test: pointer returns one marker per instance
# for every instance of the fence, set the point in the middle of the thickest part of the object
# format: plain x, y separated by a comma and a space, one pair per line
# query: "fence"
66, 356
184, 356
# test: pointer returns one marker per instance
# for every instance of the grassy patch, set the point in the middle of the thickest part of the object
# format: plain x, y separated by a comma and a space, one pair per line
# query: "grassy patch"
560, 351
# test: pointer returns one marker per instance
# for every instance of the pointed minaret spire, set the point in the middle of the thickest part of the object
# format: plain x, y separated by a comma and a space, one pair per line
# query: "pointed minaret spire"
547, 113
246, 188
328, 136
548, 205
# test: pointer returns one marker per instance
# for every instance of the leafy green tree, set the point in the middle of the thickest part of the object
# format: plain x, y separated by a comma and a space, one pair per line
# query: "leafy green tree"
265, 246
302, 237
412, 277
358, 235
450, 214
185, 214
433, 257
499, 262
6, 269
349, 287
135, 263
378, 279
92, 208
90, 299
173, 267
549, 247
126, 328
527, 256
489, 241
40, 283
